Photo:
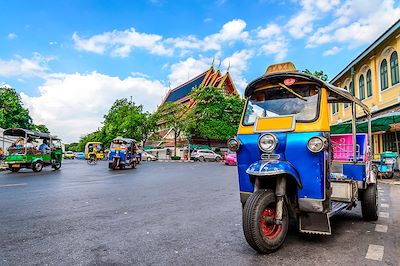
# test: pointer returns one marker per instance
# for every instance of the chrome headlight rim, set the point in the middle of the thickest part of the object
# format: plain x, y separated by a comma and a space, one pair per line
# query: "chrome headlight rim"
323, 144
270, 149
234, 144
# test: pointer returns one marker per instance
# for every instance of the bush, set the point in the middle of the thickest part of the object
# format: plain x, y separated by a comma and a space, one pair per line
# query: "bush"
175, 158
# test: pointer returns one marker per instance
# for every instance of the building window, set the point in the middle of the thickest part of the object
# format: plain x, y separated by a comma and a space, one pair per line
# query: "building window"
369, 83
345, 105
351, 88
394, 68
335, 108
384, 75
361, 88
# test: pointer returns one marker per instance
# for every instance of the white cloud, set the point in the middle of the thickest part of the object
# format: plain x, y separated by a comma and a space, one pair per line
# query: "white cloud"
272, 41
238, 63
334, 50
302, 23
187, 69
24, 67
74, 104
121, 43
12, 36
357, 23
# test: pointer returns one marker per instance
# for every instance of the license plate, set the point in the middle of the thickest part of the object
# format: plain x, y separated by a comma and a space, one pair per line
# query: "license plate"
15, 165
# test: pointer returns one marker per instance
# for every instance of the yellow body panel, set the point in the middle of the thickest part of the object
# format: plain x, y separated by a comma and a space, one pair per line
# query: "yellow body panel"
321, 124
282, 123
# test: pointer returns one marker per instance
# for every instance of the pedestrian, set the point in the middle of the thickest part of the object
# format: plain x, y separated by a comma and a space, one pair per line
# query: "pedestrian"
1, 154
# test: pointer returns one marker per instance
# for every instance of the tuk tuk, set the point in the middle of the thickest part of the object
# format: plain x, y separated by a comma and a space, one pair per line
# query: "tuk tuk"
94, 148
122, 153
386, 164
23, 153
290, 166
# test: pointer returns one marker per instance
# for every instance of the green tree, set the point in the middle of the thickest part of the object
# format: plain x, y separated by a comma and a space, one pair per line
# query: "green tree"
318, 74
213, 116
12, 111
171, 115
72, 147
148, 126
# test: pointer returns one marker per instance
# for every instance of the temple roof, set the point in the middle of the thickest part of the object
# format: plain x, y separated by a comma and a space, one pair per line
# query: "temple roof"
184, 89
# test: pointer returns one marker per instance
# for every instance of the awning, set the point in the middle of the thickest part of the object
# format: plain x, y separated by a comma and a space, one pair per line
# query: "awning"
379, 123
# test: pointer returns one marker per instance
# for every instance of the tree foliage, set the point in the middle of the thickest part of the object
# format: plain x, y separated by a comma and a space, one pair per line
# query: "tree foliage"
14, 114
12, 111
214, 115
318, 74
125, 119
171, 115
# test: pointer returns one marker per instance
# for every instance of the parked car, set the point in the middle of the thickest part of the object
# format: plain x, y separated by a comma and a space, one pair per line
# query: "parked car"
80, 155
69, 155
230, 158
148, 156
205, 155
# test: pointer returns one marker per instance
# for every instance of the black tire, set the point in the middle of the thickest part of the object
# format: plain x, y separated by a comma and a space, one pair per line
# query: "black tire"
148, 159
389, 175
14, 169
256, 231
217, 159
369, 203
201, 159
37, 166
56, 165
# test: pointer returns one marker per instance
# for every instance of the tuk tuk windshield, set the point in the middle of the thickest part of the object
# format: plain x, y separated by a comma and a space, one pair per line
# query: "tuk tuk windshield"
298, 100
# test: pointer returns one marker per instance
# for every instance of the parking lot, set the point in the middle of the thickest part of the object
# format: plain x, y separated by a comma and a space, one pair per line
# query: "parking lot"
165, 213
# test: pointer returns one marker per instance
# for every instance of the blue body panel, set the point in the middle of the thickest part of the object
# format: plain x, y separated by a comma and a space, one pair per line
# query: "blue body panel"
355, 172
295, 158
121, 153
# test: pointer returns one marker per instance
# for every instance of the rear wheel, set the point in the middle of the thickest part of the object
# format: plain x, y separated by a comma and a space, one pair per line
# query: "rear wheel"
56, 165
389, 175
260, 229
14, 169
369, 203
217, 159
201, 159
37, 166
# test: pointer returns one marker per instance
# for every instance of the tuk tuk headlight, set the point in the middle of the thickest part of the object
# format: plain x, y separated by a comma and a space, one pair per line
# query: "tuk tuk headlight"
317, 144
267, 142
234, 144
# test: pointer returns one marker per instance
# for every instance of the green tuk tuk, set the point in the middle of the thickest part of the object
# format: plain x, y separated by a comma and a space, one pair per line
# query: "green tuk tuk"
24, 153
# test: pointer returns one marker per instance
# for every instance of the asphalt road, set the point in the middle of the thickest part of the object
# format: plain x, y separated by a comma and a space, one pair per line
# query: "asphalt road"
166, 214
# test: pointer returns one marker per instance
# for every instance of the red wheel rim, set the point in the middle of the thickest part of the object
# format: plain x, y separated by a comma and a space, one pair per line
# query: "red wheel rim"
270, 231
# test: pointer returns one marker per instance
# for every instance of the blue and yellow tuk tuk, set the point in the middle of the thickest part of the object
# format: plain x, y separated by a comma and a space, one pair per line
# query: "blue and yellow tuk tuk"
290, 166
122, 153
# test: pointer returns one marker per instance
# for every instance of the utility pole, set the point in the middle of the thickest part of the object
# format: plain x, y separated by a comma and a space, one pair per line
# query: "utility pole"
131, 122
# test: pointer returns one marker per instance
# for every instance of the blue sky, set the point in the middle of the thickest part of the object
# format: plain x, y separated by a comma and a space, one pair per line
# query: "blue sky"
71, 59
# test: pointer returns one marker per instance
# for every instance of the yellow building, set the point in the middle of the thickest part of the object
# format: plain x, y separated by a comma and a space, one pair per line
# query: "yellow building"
373, 77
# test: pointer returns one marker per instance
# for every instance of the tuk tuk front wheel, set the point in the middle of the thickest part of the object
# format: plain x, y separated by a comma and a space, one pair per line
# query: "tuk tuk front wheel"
260, 229
37, 166
369, 203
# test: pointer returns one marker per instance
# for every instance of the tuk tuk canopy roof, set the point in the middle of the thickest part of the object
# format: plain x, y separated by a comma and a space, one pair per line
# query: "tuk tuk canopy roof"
379, 123
126, 140
336, 94
20, 132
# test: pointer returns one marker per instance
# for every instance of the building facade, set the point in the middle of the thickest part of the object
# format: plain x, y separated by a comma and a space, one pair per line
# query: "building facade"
373, 77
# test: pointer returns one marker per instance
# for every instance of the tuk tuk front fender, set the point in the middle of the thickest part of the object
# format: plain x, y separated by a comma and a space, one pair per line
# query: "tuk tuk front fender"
273, 168
37, 159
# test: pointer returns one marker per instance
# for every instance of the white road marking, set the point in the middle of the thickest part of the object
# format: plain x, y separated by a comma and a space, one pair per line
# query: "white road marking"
384, 205
116, 175
375, 252
14, 185
384, 214
381, 228
384, 200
